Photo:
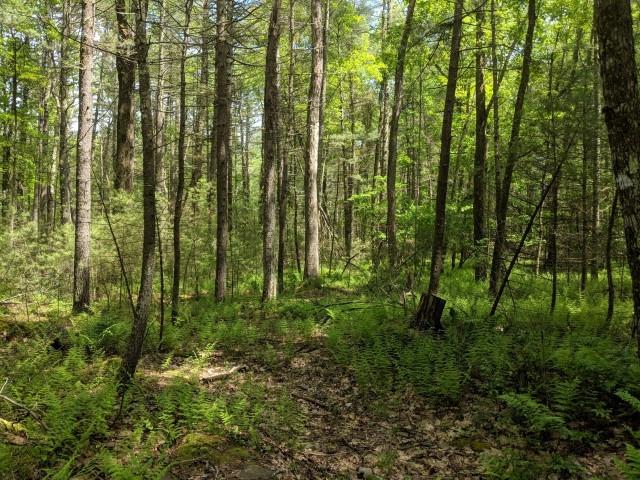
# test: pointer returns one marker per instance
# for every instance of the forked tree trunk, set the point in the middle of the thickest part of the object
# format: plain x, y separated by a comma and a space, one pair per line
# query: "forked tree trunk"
270, 157
82, 250
614, 26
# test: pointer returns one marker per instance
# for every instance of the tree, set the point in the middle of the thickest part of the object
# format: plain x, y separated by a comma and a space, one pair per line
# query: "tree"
480, 156
429, 314
82, 253
312, 211
614, 27
222, 140
270, 157
63, 123
125, 125
143, 304
393, 135
177, 211
513, 152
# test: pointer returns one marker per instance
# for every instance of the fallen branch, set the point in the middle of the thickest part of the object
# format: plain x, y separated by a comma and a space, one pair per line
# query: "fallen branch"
10, 400
212, 376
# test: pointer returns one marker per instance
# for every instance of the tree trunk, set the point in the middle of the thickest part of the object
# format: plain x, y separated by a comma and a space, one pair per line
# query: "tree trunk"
125, 125
611, 291
82, 251
222, 140
392, 244
479, 168
177, 212
143, 305
513, 152
63, 111
312, 212
619, 73
439, 247
270, 153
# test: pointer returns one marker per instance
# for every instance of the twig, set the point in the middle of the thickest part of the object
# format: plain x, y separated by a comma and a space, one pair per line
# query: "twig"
23, 407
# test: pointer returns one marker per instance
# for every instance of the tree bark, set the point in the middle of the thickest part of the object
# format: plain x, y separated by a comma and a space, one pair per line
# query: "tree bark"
222, 140
143, 305
479, 168
270, 157
177, 212
63, 123
125, 125
619, 74
439, 246
82, 250
392, 244
312, 212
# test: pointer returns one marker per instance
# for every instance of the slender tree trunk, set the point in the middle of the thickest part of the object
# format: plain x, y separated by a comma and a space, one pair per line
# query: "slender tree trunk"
438, 249
160, 107
479, 168
125, 125
513, 152
143, 305
202, 113
270, 156
312, 212
223, 140
82, 251
177, 212
619, 73
393, 135
595, 167
63, 111
611, 291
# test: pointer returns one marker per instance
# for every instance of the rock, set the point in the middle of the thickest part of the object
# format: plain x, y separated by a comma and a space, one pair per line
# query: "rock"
256, 472
214, 448
366, 473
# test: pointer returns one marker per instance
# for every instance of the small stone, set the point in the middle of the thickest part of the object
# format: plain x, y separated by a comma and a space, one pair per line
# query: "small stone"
364, 472
256, 472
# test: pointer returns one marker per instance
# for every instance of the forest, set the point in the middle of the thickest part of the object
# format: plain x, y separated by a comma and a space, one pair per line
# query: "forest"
308, 239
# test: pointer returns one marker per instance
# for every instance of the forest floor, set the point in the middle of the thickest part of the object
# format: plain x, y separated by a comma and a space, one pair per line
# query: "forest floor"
257, 394
340, 433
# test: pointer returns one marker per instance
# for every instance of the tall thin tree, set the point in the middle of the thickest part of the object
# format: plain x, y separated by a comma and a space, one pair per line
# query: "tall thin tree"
270, 156
312, 211
82, 251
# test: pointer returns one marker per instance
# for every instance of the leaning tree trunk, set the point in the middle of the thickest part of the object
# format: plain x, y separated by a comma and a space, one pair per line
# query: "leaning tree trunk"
82, 251
312, 211
430, 311
143, 305
222, 141
125, 125
392, 243
270, 157
513, 153
614, 27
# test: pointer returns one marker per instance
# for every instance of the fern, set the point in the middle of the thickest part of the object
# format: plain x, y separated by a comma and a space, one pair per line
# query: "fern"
535, 417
